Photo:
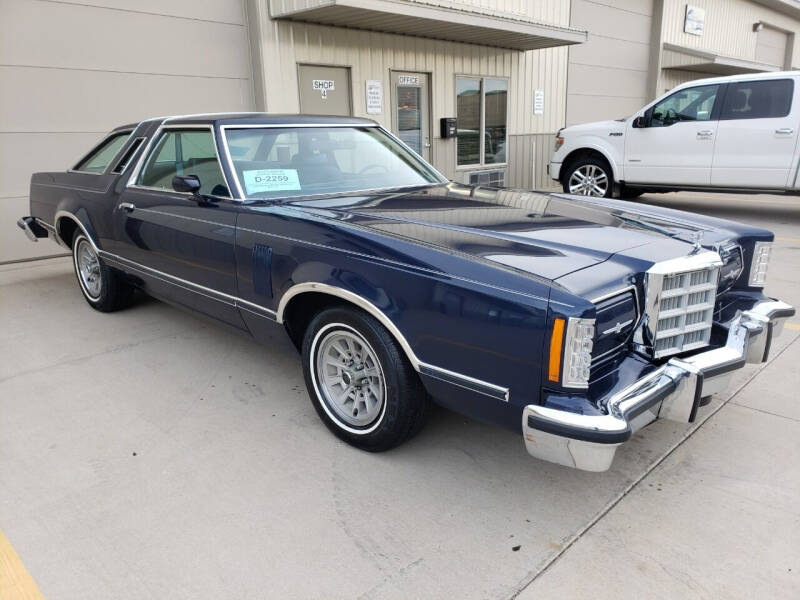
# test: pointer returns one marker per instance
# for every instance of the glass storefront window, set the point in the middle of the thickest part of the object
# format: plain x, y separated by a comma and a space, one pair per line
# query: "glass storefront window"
495, 103
468, 115
481, 111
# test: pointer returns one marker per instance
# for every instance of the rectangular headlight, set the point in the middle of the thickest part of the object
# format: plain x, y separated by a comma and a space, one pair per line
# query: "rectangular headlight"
578, 343
759, 264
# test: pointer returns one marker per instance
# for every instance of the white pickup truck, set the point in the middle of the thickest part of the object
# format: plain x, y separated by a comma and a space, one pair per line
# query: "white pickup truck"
732, 134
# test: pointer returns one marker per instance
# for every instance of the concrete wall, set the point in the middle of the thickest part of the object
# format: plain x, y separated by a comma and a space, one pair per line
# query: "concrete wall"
608, 75
69, 72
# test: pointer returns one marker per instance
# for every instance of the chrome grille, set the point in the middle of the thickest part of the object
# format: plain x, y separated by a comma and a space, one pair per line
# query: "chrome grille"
683, 311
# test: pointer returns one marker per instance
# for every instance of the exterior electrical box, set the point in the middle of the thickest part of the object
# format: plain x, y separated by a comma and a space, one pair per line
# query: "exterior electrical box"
448, 127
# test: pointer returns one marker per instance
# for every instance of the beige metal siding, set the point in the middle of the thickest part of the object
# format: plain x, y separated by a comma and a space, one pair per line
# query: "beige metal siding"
372, 55
728, 26
608, 75
95, 65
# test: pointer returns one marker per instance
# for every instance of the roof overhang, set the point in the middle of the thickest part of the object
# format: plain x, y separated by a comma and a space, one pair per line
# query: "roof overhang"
787, 7
427, 21
691, 59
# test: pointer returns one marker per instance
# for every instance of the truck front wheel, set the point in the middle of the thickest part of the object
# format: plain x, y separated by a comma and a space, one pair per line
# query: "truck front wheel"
589, 176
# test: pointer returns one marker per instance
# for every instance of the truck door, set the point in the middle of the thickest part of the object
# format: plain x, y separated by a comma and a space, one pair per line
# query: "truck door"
757, 135
676, 144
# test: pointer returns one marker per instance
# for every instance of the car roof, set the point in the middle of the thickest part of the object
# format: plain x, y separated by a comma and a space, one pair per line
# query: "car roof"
261, 118
742, 77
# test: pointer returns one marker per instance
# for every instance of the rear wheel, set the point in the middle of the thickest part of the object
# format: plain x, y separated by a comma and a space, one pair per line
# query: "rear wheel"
360, 382
104, 289
589, 176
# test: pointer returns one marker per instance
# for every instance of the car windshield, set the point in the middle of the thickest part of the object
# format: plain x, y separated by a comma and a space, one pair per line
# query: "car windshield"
289, 162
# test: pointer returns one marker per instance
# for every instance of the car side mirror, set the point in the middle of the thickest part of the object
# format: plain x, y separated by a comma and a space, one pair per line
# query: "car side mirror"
186, 183
639, 122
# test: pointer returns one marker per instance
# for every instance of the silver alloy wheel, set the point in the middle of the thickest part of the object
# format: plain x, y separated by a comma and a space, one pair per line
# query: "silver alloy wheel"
88, 265
349, 377
588, 180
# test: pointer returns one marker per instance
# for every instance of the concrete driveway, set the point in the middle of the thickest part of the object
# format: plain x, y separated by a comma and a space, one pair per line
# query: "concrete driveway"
149, 454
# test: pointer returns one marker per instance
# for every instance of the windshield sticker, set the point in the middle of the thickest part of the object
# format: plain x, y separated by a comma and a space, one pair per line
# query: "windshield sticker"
271, 180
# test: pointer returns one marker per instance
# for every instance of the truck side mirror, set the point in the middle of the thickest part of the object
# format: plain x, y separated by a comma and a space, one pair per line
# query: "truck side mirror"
639, 122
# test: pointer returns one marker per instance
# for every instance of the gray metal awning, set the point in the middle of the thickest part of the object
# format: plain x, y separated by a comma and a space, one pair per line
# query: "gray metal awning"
418, 19
691, 59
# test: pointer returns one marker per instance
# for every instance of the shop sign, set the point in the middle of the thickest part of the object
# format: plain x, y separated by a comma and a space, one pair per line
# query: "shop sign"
374, 96
323, 86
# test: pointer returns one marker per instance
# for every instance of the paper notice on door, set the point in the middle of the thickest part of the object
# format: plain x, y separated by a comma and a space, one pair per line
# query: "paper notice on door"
271, 180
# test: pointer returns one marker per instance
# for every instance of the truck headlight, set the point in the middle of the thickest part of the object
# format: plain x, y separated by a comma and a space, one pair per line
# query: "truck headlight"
559, 142
759, 264
576, 348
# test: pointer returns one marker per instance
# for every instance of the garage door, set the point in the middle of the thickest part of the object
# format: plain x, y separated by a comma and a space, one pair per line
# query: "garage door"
771, 46
91, 68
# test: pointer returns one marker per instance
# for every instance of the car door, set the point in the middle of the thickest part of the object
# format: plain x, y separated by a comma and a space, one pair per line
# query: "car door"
181, 244
675, 143
757, 134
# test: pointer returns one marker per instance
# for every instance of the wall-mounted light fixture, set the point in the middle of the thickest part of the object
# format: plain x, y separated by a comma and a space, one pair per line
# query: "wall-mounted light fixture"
758, 26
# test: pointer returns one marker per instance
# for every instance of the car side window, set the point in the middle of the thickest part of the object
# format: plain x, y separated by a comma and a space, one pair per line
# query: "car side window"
758, 99
184, 152
97, 161
690, 104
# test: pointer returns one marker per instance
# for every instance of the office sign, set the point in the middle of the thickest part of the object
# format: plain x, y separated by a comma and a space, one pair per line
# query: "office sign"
695, 20
411, 80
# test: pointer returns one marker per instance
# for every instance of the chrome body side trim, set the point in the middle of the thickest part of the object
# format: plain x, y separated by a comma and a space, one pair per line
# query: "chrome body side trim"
672, 392
471, 383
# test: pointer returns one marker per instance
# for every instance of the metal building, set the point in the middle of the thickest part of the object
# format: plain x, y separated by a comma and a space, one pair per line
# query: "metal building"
510, 72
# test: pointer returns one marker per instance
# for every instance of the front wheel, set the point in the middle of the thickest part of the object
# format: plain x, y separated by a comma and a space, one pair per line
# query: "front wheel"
589, 177
360, 382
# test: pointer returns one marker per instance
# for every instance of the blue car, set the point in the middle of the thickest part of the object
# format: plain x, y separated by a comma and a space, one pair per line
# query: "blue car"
572, 321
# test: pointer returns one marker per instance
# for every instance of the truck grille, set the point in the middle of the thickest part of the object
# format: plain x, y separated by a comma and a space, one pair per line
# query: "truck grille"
683, 313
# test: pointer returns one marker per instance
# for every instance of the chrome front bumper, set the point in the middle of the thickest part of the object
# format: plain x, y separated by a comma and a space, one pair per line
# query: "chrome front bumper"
672, 392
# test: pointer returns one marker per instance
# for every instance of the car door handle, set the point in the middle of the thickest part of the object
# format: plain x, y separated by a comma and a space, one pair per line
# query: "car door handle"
705, 133
784, 131
127, 206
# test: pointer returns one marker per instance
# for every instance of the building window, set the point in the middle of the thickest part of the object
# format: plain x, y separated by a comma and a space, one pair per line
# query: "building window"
482, 113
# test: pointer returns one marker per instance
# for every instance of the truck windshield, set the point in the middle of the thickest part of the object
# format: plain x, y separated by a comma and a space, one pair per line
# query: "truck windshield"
290, 162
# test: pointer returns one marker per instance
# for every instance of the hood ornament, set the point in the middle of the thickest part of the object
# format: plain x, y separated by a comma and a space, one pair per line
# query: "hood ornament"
696, 240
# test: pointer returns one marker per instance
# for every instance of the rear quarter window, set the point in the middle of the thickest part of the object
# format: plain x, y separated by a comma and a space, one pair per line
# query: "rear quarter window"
765, 99
100, 157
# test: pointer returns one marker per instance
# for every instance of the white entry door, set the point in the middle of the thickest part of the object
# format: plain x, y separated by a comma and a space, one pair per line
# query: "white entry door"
676, 146
411, 111
757, 135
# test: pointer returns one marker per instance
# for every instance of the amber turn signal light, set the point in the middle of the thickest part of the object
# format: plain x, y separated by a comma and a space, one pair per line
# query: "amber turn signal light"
556, 342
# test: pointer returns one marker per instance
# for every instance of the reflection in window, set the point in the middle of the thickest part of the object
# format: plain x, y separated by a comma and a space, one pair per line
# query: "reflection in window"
468, 115
409, 127
481, 143
758, 99
691, 104
495, 102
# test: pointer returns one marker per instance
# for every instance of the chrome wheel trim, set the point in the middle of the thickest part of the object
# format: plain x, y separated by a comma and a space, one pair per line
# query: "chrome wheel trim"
588, 180
348, 378
87, 265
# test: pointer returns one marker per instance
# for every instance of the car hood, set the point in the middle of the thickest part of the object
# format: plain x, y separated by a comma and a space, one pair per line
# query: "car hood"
541, 234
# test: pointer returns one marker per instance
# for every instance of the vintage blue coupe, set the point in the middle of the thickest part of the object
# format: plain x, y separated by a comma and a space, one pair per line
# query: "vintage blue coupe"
574, 321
